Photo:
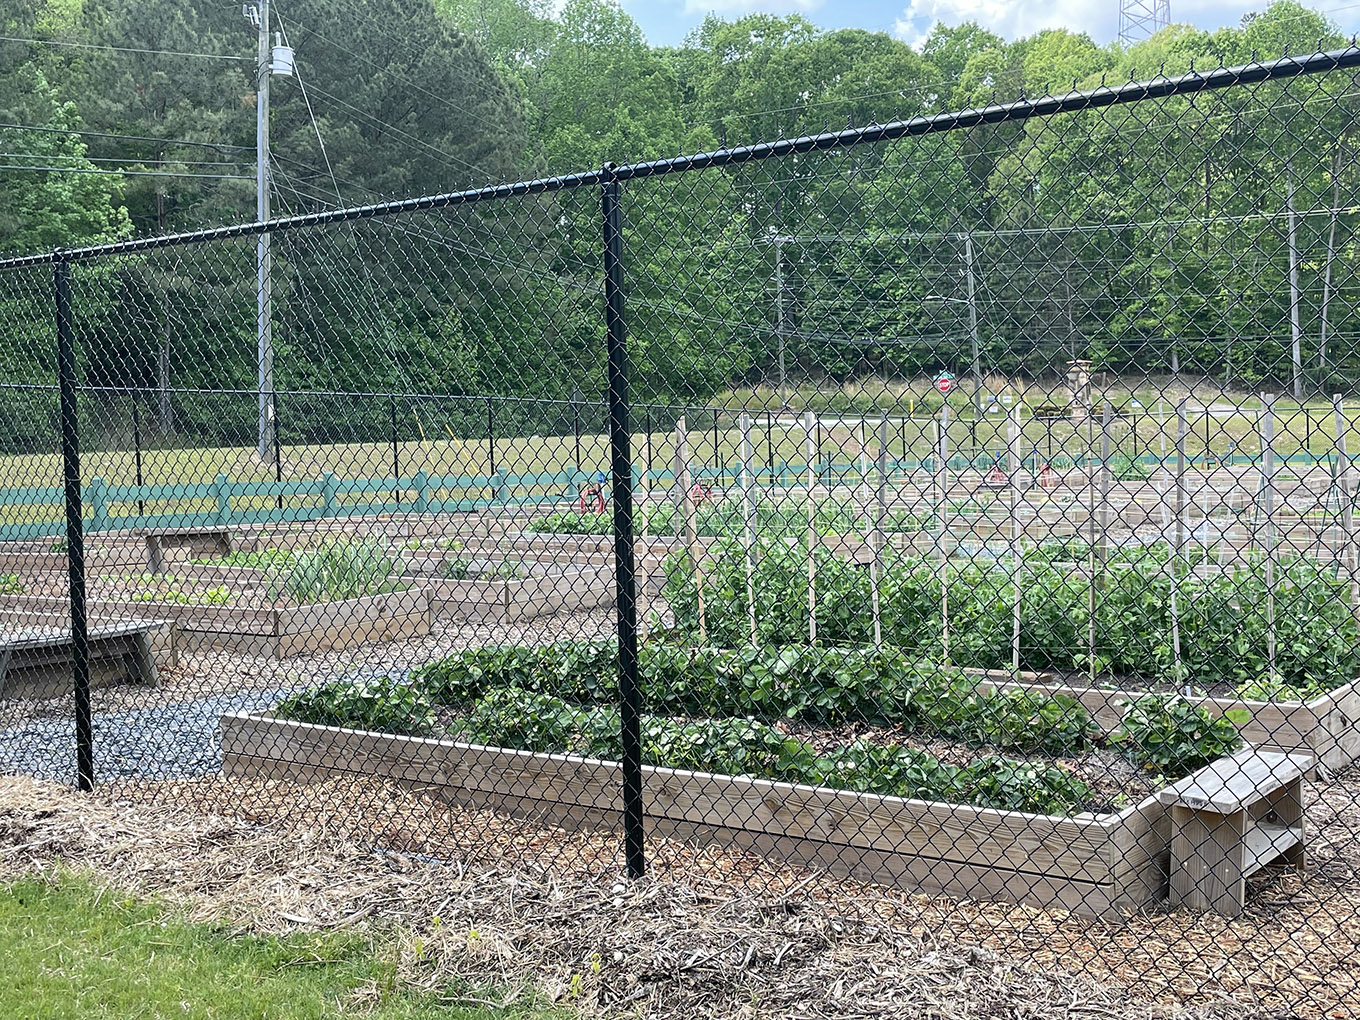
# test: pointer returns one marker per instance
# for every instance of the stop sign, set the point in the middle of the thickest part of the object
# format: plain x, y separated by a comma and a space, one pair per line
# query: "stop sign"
944, 382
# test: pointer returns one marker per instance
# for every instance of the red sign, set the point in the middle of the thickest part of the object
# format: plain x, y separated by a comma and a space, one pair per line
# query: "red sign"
944, 382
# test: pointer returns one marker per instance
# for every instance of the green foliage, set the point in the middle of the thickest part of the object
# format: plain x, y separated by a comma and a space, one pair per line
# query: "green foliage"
10, 584
170, 590
510, 717
1028, 720
1175, 736
725, 518
337, 570
376, 703
1223, 623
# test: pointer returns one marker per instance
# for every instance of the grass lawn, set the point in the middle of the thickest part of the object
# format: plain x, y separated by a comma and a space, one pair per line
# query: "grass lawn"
71, 950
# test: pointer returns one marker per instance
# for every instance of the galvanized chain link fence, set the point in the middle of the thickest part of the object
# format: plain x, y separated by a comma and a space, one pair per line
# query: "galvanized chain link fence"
951, 518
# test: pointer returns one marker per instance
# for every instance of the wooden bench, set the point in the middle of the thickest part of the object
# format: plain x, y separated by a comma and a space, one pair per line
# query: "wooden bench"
207, 541
37, 662
1229, 820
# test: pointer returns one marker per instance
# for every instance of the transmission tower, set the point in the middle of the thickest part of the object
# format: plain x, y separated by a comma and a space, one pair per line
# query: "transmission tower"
1141, 19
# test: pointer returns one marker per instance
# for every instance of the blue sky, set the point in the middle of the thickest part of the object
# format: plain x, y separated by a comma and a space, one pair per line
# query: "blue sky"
665, 22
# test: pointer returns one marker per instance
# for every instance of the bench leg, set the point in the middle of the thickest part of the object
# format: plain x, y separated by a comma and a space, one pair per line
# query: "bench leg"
143, 661
1207, 857
1285, 807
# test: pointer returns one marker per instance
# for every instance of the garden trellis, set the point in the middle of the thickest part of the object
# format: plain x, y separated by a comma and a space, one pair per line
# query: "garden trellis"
629, 542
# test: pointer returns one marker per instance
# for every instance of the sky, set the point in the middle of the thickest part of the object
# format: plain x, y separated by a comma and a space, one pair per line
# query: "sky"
665, 22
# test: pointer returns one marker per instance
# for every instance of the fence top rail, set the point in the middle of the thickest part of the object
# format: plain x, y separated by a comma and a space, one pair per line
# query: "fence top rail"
1074, 101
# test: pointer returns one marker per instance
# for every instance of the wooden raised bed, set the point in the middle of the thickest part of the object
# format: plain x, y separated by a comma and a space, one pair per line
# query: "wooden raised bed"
1104, 866
547, 590
1326, 729
274, 631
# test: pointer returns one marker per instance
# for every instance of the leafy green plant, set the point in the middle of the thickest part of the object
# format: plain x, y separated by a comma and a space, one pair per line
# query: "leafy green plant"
1028, 720
1011, 785
1175, 736
338, 570
381, 703
217, 595
10, 584
461, 568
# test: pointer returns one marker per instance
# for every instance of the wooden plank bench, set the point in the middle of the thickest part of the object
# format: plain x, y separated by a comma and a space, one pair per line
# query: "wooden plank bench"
205, 541
37, 662
1229, 820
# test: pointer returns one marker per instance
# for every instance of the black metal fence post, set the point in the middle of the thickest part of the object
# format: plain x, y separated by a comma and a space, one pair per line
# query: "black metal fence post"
75, 526
396, 455
621, 463
137, 452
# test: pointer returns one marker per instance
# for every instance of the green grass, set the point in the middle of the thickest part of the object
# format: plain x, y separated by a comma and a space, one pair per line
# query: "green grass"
1307, 428
74, 952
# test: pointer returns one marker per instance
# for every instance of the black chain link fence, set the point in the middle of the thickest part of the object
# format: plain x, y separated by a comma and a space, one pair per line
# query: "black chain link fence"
951, 519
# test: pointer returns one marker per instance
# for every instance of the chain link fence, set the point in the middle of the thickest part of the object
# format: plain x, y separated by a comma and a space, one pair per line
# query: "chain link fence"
950, 520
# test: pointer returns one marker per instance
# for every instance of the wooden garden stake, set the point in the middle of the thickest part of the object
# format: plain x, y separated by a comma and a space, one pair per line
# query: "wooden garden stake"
880, 502
1349, 557
684, 485
1013, 466
942, 473
748, 521
1268, 501
810, 427
1179, 535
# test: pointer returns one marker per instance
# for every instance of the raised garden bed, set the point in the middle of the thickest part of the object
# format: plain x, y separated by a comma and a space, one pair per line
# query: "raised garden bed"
878, 767
1106, 866
500, 591
1327, 727
276, 631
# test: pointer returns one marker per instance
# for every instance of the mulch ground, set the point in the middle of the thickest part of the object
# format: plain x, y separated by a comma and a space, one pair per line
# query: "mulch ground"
708, 933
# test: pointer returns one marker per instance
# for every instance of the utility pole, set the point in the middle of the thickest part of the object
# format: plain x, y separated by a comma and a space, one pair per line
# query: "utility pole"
1297, 351
264, 327
778, 242
973, 324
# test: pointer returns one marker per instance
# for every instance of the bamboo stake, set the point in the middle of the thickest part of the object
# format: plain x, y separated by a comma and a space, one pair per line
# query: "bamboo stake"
942, 472
1014, 468
748, 515
1268, 498
688, 519
810, 445
1179, 551
1349, 555
880, 502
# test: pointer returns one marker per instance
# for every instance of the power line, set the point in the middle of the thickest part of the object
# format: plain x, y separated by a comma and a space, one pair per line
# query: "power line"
398, 131
125, 173
129, 138
121, 49
113, 159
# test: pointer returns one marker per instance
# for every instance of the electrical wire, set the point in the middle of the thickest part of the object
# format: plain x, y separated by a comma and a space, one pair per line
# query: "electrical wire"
123, 49
129, 138
126, 173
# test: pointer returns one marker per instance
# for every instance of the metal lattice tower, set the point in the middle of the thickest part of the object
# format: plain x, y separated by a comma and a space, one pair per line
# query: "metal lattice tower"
1141, 19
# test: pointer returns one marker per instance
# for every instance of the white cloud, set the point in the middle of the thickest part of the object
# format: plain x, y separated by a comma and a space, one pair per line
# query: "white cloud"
740, 7
1009, 19
1013, 19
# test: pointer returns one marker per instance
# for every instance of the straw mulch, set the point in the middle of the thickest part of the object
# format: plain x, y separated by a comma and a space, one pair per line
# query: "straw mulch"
710, 934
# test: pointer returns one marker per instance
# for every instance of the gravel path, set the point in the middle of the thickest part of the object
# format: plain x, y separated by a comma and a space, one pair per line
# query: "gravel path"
160, 742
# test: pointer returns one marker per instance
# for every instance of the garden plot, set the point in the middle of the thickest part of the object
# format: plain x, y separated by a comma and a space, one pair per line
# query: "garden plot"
882, 768
334, 598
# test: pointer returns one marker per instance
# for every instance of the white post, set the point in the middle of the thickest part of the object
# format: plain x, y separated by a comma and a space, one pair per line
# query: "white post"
748, 523
942, 473
1179, 550
880, 500
1268, 501
1348, 555
640, 558
685, 504
810, 446
1014, 471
